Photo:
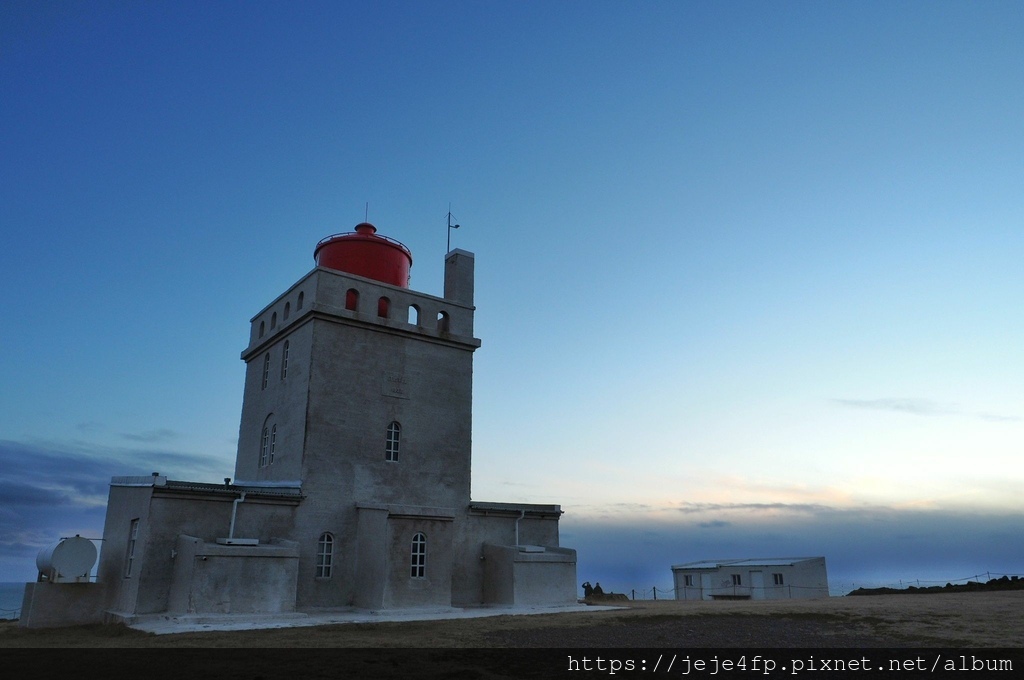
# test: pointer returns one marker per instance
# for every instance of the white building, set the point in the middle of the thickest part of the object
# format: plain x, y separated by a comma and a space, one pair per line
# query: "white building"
772, 578
352, 478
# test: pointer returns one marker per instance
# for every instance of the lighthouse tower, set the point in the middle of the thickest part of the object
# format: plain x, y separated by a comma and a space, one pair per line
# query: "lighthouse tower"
359, 391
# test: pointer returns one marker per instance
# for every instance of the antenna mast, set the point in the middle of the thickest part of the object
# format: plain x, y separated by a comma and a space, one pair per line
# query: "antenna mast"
450, 227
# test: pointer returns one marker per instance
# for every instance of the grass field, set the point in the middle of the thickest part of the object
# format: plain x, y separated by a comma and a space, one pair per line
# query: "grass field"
962, 620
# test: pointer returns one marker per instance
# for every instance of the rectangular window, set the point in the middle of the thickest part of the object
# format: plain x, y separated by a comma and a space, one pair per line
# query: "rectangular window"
284, 361
777, 578
736, 580
133, 536
688, 580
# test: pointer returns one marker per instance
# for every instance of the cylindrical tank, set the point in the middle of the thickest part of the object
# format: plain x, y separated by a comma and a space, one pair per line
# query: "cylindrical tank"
363, 253
67, 560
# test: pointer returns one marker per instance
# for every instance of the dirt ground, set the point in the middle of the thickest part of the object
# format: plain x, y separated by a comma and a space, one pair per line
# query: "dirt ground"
960, 620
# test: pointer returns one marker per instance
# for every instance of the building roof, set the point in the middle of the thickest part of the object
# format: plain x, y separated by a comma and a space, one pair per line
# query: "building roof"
748, 562
267, 490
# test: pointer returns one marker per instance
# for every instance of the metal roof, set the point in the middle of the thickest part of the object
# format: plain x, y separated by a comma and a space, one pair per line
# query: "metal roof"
749, 562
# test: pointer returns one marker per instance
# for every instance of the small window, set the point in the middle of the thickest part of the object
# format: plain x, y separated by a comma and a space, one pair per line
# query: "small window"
419, 556
383, 307
414, 315
273, 444
284, 360
133, 537
324, 556
273, 321
688, 580
287, 310
266, 370
442, 322
265, 446
298, 303
777, 579
262, 328
736, 580
352, 300
393, 440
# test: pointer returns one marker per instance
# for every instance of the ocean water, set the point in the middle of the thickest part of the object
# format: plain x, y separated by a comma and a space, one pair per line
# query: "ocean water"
10, 599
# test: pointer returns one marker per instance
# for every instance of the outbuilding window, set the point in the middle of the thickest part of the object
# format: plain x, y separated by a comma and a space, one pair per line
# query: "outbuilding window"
736, 580
777, 579
419, 556
688, 580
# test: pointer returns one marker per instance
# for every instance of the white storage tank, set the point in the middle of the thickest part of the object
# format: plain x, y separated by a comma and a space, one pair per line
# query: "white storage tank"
68, 561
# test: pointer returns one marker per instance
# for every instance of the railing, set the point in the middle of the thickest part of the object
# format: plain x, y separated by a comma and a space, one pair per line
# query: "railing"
390, 240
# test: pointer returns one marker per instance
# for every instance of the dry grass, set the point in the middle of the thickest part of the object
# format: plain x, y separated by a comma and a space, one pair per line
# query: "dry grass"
939, 620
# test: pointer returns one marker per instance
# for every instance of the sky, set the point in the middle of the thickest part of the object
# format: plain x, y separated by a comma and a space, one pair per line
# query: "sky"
748, 275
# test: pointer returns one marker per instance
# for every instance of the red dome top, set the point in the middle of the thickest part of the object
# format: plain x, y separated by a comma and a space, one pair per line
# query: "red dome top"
363, 253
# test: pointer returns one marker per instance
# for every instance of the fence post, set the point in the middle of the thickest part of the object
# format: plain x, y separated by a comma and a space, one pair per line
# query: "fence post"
655, 592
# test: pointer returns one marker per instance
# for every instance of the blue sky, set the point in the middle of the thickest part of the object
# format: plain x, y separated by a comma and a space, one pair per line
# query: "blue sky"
748, 277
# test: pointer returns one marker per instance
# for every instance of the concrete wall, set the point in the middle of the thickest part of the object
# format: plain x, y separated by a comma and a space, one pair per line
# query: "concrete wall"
124, 504
163, 515
223, 579
529, 575
48, 605
371, 558
435, 588
495, 523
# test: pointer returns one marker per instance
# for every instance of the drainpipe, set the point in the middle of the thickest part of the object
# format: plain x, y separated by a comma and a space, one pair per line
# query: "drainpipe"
522, 514
234, 511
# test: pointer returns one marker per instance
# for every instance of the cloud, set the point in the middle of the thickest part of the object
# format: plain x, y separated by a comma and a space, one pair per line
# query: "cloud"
50, 490
688, 508
714, 524
922, 407
151, 436
917, 407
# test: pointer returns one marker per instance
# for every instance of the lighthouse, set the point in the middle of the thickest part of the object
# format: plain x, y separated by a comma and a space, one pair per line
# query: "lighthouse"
352, 478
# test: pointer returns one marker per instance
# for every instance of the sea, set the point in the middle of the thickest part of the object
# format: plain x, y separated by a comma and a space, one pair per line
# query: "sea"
10, 599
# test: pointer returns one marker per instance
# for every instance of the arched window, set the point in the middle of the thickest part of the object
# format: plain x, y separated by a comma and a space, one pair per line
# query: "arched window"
383, 307
262, 328
273, 321
268, 441
264, 446
324, 555
284, 360
352, 300
419, 556
414, 315
442, 322
298, 303
273, 444
393, 440
287, 310
266, 370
